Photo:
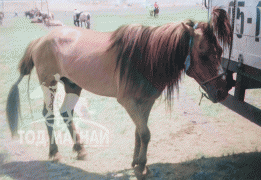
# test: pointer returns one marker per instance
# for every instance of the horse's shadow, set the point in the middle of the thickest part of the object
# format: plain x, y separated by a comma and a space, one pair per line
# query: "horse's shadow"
236, 166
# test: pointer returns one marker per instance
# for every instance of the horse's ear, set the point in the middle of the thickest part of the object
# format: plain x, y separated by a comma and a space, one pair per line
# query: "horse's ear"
221, 26
189, 29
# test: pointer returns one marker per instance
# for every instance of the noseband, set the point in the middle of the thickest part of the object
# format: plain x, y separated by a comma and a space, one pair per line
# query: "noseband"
187, 65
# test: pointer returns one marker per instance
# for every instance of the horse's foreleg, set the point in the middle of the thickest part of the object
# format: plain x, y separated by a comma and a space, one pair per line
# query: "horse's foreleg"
139, 112
49, 95
136, 148
71, 98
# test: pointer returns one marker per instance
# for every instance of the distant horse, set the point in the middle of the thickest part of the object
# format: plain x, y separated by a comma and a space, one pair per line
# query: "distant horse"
85, 18
134, 64
153, 12
2, 15
156, 12
150, 9
53, 22
30, 14
46, 16
76, 18
37, 20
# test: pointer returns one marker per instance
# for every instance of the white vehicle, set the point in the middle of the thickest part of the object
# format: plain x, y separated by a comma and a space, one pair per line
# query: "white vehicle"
246, 50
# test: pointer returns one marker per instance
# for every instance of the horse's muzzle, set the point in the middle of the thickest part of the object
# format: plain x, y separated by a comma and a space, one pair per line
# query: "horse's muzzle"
215, 95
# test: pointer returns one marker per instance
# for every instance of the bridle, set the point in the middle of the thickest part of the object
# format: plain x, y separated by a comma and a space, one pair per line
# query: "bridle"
188, 59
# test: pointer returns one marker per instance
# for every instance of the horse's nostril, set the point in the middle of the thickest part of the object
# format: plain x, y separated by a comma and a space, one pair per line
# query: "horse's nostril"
219, 93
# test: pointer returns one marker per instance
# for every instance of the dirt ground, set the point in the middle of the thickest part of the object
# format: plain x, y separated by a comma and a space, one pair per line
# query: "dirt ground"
187, 143
187, 146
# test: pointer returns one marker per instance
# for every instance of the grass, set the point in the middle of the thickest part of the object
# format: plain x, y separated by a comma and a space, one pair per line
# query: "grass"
109, 21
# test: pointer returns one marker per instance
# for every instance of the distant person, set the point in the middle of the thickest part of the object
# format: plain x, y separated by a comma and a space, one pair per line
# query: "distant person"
15, 14
155, 7
76, 15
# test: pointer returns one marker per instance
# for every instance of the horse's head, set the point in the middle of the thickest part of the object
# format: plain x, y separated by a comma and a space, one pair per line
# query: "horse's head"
205, 56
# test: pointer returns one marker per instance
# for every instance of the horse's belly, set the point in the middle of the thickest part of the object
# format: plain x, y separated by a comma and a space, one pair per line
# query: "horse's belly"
92, 75
100, 88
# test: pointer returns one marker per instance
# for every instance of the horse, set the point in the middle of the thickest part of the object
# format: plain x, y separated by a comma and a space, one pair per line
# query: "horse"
30, 14
76, 18
37, 20
133, 64
53, 22
85, 17
2, 15
153, 12
46, 17
150, 9
156, 12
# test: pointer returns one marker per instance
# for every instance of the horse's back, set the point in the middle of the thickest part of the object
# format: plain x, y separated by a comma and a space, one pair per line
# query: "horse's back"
67, 45
79, 55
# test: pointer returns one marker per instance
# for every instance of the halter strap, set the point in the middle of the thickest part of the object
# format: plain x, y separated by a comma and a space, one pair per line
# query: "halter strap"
191, 43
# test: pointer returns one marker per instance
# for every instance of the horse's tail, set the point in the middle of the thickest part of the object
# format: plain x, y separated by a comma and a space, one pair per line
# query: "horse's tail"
13, 101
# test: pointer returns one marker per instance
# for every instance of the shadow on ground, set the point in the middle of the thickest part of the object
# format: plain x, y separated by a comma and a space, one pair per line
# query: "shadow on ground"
236, 166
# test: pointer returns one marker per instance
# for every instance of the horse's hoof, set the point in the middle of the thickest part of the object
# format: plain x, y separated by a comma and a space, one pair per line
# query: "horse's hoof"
57, 158
142, 172
134, 162
82, 155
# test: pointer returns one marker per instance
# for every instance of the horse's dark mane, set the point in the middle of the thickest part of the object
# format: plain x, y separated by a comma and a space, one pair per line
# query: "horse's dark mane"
151, 58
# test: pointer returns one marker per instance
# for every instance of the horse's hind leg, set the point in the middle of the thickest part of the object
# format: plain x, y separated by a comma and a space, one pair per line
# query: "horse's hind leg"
88, 24
49, 91
71, 98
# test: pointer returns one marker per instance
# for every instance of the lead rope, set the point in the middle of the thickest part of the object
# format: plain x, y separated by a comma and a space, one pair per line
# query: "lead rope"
230, 52
202, 95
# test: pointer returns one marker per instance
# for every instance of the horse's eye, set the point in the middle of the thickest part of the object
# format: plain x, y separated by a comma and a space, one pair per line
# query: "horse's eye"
204, 58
